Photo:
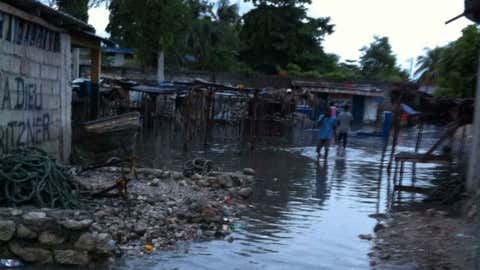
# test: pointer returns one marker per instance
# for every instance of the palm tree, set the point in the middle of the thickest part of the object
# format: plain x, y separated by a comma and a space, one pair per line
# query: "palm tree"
226, 12
428, 66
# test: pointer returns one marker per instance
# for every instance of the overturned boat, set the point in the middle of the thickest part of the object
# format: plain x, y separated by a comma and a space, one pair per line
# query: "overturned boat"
99, 140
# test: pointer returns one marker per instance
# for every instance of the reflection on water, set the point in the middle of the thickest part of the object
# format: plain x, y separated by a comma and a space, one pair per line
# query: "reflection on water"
303, 215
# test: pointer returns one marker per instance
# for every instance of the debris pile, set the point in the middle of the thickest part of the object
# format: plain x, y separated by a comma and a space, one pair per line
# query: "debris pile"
430, 239
164, 207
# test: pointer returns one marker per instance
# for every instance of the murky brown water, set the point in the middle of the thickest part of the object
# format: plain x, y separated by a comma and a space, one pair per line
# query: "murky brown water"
302, 216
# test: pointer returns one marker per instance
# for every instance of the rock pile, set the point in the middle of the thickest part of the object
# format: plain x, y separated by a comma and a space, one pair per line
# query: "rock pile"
51, 236
163, 207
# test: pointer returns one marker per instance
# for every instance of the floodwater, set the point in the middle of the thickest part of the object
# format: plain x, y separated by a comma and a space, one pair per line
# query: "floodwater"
303, 215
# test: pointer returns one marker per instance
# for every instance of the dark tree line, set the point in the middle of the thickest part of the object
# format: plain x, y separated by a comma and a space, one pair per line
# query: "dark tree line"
275, 37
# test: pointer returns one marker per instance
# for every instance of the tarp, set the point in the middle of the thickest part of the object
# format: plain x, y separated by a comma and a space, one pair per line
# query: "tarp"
408, 110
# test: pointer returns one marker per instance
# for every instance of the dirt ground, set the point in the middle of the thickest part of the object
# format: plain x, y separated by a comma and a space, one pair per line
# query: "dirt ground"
423, 240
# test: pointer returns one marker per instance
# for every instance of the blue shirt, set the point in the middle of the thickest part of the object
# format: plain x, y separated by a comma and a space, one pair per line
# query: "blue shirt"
326, 128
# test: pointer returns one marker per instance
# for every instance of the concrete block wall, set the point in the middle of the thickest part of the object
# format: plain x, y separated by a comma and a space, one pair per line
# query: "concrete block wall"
35, 97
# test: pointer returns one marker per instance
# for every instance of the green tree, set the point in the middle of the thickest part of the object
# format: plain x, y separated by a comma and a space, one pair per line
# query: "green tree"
212, 39
379, 63
346, 71
428, 66
281, 2
150, 27
277, 33
76, 8
457, 73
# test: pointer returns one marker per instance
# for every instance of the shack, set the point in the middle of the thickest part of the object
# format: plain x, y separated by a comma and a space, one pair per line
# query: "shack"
35, 71
364, 99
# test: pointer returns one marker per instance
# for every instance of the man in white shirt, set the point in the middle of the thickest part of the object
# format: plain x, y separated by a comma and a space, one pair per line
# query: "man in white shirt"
344, 121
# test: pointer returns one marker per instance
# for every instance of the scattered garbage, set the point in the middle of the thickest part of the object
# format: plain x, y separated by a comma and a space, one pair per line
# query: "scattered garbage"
198, 166
148, 248
10, 263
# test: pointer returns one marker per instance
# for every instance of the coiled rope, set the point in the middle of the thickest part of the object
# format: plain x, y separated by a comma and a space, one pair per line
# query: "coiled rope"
199, 165
31, 176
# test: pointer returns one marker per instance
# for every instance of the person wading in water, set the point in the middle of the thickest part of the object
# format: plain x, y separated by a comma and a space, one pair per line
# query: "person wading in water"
325, 132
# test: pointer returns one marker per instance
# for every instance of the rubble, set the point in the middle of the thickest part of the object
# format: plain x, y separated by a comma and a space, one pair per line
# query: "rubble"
162, 207
425, 239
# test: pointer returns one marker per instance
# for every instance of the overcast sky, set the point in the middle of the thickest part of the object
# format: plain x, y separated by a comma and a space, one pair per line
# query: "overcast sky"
411, 25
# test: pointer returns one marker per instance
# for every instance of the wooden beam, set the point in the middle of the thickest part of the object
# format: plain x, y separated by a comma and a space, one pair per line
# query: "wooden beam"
81, 40
96, 58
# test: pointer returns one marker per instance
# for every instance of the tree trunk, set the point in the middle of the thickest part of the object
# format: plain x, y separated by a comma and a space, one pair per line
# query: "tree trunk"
161, 66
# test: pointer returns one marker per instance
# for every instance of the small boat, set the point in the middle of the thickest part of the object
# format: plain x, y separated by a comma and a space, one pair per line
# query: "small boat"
99, 140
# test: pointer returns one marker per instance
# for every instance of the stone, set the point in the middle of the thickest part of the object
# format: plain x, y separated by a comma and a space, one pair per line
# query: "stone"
155, 182
16, 212
367, 237
104, 243
140, 228
378, 227
196, 177
249, 171
31, 255
7, 230
245, 192
378, 216
76, 225
225, 181
86, 242
49, 238
38, 220
203, 183
31, 217
176, 175
210, 215
71, 257
430, 212
23, 232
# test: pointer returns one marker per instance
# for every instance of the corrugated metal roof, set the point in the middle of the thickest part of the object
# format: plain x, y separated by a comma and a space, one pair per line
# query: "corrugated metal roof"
51, 15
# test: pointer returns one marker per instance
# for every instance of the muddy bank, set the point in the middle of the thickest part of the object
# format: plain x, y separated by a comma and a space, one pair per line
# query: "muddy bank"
422, 239
161, 208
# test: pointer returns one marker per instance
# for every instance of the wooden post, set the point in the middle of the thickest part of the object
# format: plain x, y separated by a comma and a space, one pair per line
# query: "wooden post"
419, 137
96, 59
253, 120
209, 114
396, 130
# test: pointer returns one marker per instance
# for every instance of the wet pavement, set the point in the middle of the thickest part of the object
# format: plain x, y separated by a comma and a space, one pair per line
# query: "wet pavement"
303, 215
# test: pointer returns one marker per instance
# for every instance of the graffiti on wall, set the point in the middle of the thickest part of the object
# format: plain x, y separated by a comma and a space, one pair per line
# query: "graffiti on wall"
29, 124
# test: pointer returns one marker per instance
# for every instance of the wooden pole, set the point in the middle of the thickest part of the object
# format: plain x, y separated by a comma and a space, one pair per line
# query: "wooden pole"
96, 59
253, 120
396, 130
